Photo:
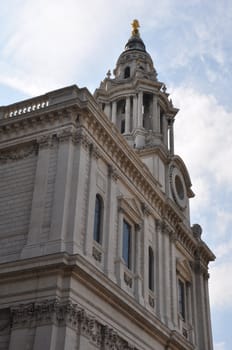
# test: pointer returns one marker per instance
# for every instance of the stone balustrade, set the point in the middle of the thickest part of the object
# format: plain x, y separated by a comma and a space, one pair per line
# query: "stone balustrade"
41, 102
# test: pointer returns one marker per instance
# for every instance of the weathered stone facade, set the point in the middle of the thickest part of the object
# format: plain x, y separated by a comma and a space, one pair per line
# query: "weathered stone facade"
97, 250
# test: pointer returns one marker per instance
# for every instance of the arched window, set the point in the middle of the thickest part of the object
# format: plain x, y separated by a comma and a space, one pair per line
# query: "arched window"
150, 269
127, 72
98, 215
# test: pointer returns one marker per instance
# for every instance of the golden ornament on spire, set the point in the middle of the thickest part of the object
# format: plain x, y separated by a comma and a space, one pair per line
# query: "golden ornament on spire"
135, 26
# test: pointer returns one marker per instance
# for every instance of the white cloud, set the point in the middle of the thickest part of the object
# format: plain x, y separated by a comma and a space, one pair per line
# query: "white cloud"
203, 136
224, 249
223, 223
219, 346
220, 284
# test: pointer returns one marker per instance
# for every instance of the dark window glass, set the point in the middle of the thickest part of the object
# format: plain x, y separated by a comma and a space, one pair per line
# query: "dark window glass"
123, 126
181, 298
126, 247
127, 72
98, 219
150, 269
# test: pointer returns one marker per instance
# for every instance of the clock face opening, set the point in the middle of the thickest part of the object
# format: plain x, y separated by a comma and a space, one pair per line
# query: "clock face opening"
179, 187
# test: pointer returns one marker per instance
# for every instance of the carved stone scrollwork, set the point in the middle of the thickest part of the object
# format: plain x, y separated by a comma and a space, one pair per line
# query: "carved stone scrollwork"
44, 312
90, 328
64, 135
22, 316
173, 236
151, 301
17, 153
145, 209
158, 224
128, 280
97, 254
94, 151
81, 138
44, 141
113, 173
111, 340
66, 313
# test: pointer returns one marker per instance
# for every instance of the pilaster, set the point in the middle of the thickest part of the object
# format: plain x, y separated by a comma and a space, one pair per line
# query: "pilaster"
165, 131
137, 263
171, 136
91, 196
159, 289
39, 197
127, 115
63, 191
173, 289
110, 227
166, 280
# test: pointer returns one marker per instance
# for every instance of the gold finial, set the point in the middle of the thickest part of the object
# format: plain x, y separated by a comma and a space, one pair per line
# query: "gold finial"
135, 26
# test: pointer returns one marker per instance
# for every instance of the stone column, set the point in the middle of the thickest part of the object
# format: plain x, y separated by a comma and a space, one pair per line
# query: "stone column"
119, 243
135, 112
166, 281
140, 109
91, 196
201, 299
137, 263
208, 316
159, 291
145, 256
107, 110
127, 115
189, 302
39, 198
165, 130
114, 112
173, 279
110, 223
171, 137
155, 115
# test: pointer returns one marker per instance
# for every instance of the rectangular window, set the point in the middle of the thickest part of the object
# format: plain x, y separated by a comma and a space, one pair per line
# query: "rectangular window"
181, 298
126, 247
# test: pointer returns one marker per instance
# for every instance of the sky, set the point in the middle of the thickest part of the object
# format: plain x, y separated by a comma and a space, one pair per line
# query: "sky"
49, 44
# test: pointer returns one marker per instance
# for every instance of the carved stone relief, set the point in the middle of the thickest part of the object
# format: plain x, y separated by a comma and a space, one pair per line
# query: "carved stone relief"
52, 311
16, 153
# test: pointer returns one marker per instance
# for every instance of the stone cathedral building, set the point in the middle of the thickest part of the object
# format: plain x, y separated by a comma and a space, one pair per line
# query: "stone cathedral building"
96, 246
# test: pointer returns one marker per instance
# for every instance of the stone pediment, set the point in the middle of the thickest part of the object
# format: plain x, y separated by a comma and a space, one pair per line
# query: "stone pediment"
132, 207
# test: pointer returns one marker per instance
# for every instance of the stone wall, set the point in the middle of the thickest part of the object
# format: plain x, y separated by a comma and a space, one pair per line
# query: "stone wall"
17, 172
